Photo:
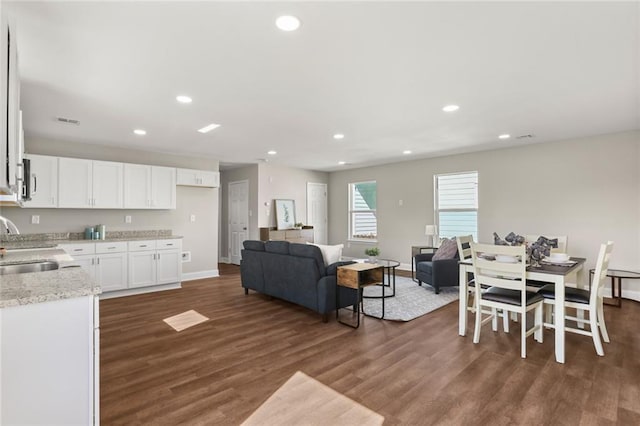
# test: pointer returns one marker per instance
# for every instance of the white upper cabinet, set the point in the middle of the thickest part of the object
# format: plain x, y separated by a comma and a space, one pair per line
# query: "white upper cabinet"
44, 181
75, 183
203, 178
149, 187
163, 187
137, 186
108, 185
87, 184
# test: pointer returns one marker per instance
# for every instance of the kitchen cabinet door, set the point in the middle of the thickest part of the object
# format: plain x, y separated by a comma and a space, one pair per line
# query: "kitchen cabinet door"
111, 271
75, 183
169, 268
44, 181
108, 185
142, 269
163, 187
137, 186
86, 262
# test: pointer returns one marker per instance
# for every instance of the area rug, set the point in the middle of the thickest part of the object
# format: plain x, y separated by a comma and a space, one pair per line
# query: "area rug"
185, 320
303, 400
410, 302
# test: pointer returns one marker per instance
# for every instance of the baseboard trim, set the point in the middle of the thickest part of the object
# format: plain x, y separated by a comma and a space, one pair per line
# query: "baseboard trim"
224, 260
626, 294
190, 276
404, 267
140, 290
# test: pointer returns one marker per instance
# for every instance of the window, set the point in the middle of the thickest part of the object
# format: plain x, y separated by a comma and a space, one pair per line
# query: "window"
457, 204
363, 223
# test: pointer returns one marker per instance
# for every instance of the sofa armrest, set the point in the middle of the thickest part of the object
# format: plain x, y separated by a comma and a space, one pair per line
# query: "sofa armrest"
423, 257
446, 271
333, 268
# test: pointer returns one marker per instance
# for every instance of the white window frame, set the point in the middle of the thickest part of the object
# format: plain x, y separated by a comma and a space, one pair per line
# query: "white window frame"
437, 209
350, 237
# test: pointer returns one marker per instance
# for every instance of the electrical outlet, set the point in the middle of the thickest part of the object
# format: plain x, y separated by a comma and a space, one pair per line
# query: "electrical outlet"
192, 218
35, 219
127, 219
186, 256
400, 203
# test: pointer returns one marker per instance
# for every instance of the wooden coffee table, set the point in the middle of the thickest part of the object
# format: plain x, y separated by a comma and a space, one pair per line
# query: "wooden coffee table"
358, 276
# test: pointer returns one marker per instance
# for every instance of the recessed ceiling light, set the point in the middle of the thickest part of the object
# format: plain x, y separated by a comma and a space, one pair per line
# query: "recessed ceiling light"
338, 136
451, 108
210, 127
504, 136
342, 163
288, 23
184, 99
406, 152
140, 132
272, 152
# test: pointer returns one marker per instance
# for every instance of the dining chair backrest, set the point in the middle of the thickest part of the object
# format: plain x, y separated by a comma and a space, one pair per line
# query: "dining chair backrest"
492, 273
464, 246
562, 241
600, 275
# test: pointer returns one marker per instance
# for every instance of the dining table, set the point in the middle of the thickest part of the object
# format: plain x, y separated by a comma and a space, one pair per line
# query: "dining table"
556, 274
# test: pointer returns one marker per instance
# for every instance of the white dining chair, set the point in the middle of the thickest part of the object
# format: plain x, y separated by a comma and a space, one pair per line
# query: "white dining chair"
585, 300
506, 292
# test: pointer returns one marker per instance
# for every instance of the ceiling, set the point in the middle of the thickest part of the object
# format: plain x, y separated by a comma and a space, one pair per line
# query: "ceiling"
378, 72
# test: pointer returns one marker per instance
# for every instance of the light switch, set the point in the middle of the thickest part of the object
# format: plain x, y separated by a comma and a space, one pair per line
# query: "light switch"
35, 219
127, 219
400, 203
192, 218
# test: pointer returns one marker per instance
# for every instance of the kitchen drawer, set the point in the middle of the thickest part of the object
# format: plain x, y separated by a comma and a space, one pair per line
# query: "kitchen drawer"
142, 245
79, 249
168, 244
115, 247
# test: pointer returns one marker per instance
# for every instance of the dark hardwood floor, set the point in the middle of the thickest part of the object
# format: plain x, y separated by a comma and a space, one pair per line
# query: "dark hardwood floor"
420, 372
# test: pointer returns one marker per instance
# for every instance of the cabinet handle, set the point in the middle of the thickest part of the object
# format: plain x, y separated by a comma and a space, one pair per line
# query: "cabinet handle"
77, 249
154, 256
89, 201
35, 183
170, 244
98, 260
93, 261
143, 245
110, 248
158, 256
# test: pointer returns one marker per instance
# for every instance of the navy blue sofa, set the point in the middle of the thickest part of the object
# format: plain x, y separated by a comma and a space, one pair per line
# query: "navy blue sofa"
295, 273
437, 273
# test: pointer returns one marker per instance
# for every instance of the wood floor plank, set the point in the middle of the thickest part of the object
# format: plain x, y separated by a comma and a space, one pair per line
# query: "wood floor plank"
420, 372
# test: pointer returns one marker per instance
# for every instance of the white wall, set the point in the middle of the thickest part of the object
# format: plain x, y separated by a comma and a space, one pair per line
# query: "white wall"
587, 189
200, 237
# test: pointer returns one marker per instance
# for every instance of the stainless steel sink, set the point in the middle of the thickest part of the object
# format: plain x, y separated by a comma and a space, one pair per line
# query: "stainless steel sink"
22, 268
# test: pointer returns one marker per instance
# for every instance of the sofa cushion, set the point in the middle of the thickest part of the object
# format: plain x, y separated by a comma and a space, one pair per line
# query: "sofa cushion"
310, 251
330, 254
280, 247
448, 250
253, 245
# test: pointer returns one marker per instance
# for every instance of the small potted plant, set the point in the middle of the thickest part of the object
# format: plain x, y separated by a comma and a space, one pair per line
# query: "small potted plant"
298, 225
373, 253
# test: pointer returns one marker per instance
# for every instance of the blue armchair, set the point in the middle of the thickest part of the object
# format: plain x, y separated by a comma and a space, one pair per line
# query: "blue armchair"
437, 273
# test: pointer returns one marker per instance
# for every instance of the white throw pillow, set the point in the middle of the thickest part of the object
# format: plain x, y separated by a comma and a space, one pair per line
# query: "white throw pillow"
330, 254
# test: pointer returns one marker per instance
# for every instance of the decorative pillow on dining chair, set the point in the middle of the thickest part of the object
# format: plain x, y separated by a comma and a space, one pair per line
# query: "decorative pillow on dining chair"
447, 250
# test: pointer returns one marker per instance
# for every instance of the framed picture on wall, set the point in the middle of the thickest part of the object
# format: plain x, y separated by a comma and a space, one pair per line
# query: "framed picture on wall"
285, 214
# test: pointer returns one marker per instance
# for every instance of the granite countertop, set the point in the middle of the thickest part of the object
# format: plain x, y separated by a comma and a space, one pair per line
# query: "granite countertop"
38, 287
36, 244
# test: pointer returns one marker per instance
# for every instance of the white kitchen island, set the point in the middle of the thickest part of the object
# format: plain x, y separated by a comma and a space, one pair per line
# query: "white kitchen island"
49, 344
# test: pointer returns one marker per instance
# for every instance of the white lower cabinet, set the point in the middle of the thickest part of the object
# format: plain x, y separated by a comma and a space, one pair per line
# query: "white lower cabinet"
136, 264
50, 361
154, 262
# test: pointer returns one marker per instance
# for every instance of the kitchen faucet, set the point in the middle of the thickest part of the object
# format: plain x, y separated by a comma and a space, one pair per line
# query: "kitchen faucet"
8, 227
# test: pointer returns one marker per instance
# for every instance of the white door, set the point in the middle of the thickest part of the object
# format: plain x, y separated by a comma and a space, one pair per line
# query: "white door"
44, 181
317, 211
142, 268
111, 271
169, 268
137, 186
238, 218
75, 183
107, 185
163, 187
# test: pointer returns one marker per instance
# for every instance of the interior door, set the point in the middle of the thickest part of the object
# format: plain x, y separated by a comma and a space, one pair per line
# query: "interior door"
317, 211
238, 218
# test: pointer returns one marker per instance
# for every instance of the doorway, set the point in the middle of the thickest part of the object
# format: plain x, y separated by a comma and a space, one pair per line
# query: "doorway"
317, 211
238, 218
